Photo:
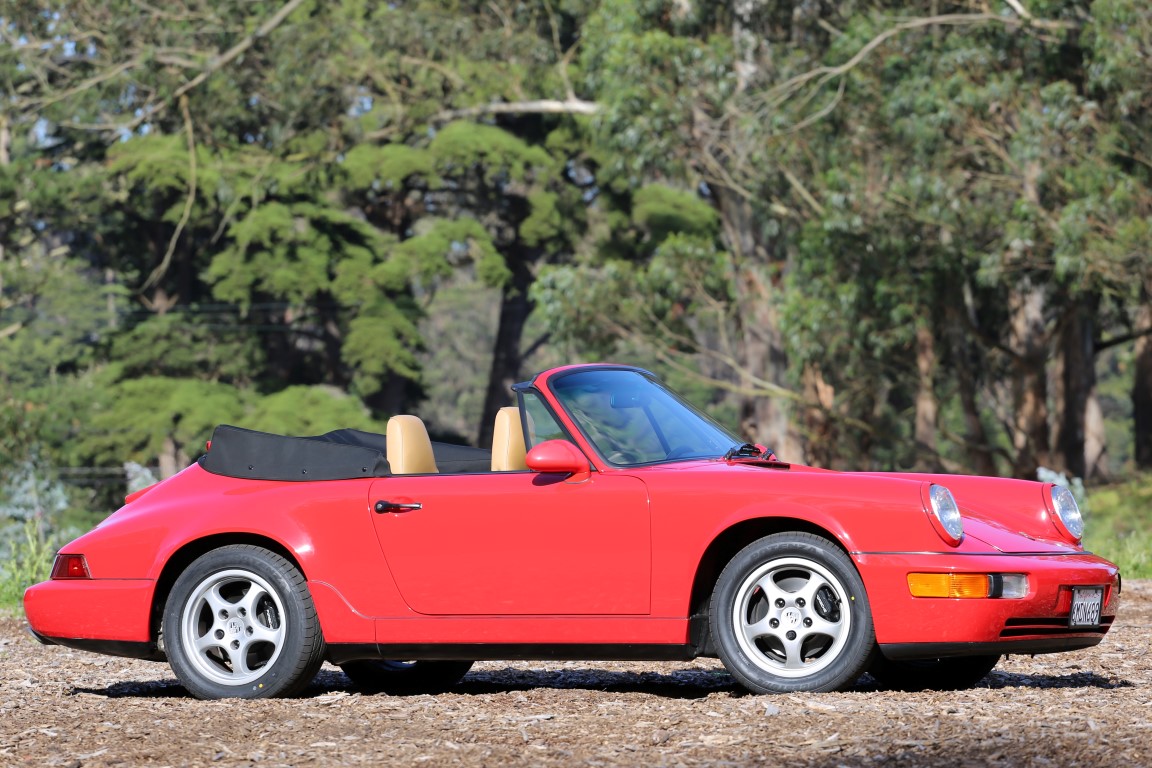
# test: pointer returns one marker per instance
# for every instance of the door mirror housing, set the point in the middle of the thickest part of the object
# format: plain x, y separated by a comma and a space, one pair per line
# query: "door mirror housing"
559, 456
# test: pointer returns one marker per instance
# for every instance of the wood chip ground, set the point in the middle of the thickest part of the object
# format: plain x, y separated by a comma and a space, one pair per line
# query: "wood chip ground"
1090, 708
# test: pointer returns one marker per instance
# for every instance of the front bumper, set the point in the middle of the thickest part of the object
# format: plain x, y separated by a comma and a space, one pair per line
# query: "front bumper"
910, 627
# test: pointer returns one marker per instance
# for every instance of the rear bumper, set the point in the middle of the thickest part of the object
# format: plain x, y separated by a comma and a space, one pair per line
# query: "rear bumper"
910, 627
83, 613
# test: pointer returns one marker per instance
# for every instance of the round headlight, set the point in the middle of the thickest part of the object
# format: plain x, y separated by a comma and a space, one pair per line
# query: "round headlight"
946, 513
1068, 517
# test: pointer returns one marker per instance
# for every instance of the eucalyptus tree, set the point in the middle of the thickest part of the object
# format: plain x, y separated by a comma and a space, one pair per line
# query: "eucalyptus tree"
985, 177
919, 211
1118, 39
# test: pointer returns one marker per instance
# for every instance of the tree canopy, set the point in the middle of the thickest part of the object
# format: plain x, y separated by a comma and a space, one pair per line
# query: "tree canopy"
869, 234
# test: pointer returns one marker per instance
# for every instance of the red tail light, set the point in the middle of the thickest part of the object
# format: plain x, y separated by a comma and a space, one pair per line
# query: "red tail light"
70, 567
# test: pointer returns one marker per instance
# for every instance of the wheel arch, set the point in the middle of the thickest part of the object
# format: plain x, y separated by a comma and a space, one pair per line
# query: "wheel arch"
187, 553
722, 549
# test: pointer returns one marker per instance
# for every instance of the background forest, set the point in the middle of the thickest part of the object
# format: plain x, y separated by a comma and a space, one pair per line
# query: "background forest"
868, 233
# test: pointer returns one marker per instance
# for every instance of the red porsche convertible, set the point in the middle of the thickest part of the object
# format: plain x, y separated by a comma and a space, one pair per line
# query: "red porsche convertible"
610, 520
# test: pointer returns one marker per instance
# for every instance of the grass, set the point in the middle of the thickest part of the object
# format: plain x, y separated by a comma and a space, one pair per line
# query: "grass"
29, 561
1119, 525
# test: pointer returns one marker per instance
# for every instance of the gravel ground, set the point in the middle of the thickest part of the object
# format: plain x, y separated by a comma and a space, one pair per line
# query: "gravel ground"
1091, 708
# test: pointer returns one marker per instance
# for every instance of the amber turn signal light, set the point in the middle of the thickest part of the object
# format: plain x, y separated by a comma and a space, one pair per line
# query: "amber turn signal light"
948, 584
968, 585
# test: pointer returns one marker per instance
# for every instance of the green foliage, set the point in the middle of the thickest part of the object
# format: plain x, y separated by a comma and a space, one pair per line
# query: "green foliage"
652, 83
288, 250
200, 342
661, 211
52, 316
1118, 522
153, 415
761, 199
31, 506
461, 146
28, 561
438, 247
382, 338
389, 166
680, 293
308, 411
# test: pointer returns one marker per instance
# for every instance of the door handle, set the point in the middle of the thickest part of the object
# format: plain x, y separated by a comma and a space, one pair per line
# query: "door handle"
383, 506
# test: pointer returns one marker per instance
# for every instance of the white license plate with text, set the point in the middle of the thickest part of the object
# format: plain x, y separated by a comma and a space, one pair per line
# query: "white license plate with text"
1086, 604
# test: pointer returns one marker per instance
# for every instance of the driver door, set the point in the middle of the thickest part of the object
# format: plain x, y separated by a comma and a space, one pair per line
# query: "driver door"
517, 543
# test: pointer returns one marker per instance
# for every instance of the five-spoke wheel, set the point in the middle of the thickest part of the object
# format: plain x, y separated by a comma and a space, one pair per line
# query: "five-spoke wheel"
239, 622
789, 613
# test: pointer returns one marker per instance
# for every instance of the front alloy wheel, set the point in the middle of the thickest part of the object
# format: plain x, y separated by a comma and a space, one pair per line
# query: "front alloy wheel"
789, 613
239, 622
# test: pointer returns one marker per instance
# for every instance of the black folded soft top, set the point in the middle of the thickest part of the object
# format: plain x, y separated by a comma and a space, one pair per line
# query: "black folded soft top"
341, 454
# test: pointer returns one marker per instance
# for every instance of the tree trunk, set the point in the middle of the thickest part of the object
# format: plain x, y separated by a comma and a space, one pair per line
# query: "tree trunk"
5, 159
168, 459
1095, 441
759, 344
1028, 342
1142, 388
977, 446
819, 430
1078, 355
927, 409
515, 306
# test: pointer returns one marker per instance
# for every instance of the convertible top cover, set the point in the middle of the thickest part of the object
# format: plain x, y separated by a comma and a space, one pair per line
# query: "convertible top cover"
342, 454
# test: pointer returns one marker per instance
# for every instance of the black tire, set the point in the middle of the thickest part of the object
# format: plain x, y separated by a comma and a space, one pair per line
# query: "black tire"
405, 677
951, 674
240, 623
789, 613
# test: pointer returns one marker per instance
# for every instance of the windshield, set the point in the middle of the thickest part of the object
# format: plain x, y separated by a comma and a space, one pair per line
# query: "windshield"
631, 419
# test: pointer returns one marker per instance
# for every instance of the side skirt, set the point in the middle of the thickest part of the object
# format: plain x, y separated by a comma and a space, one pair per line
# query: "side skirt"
340, 653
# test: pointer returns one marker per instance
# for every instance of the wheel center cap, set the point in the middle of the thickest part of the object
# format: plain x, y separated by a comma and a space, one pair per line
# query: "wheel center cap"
234, 626
790, 617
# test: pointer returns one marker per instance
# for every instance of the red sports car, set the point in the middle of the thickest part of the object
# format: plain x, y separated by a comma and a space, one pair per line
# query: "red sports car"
610, 520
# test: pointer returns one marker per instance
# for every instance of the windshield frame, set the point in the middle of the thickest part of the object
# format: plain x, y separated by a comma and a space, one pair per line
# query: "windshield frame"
716, 439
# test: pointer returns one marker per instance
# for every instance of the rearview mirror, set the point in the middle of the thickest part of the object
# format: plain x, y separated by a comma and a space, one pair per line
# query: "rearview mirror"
631, 399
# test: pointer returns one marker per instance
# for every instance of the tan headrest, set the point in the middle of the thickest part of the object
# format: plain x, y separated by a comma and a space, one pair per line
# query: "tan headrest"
508, 441
409, 449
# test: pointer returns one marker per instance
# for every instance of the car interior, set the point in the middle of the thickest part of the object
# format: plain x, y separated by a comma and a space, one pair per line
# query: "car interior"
409, 449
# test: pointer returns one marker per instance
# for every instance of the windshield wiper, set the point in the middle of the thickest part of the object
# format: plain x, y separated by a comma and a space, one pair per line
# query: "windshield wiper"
744, 450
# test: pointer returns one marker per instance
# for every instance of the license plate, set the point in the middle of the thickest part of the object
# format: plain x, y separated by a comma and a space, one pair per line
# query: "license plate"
1086, 602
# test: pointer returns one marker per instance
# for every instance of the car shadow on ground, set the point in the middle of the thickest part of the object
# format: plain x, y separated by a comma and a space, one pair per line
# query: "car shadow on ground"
678, 684
138, 689
999, 679
681, 684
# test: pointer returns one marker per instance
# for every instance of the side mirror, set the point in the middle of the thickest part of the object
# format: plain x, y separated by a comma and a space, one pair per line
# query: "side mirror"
559, 456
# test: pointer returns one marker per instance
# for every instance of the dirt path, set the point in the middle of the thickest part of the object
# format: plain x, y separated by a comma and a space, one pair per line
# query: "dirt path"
1091, 708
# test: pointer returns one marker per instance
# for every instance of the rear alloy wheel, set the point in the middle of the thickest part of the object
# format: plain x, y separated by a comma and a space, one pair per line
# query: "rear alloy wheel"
240, 623
405, 677
789, 613
952, 674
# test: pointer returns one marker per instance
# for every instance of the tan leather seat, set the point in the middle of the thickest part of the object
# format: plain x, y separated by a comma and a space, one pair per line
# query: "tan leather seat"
408, 447
508, 441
